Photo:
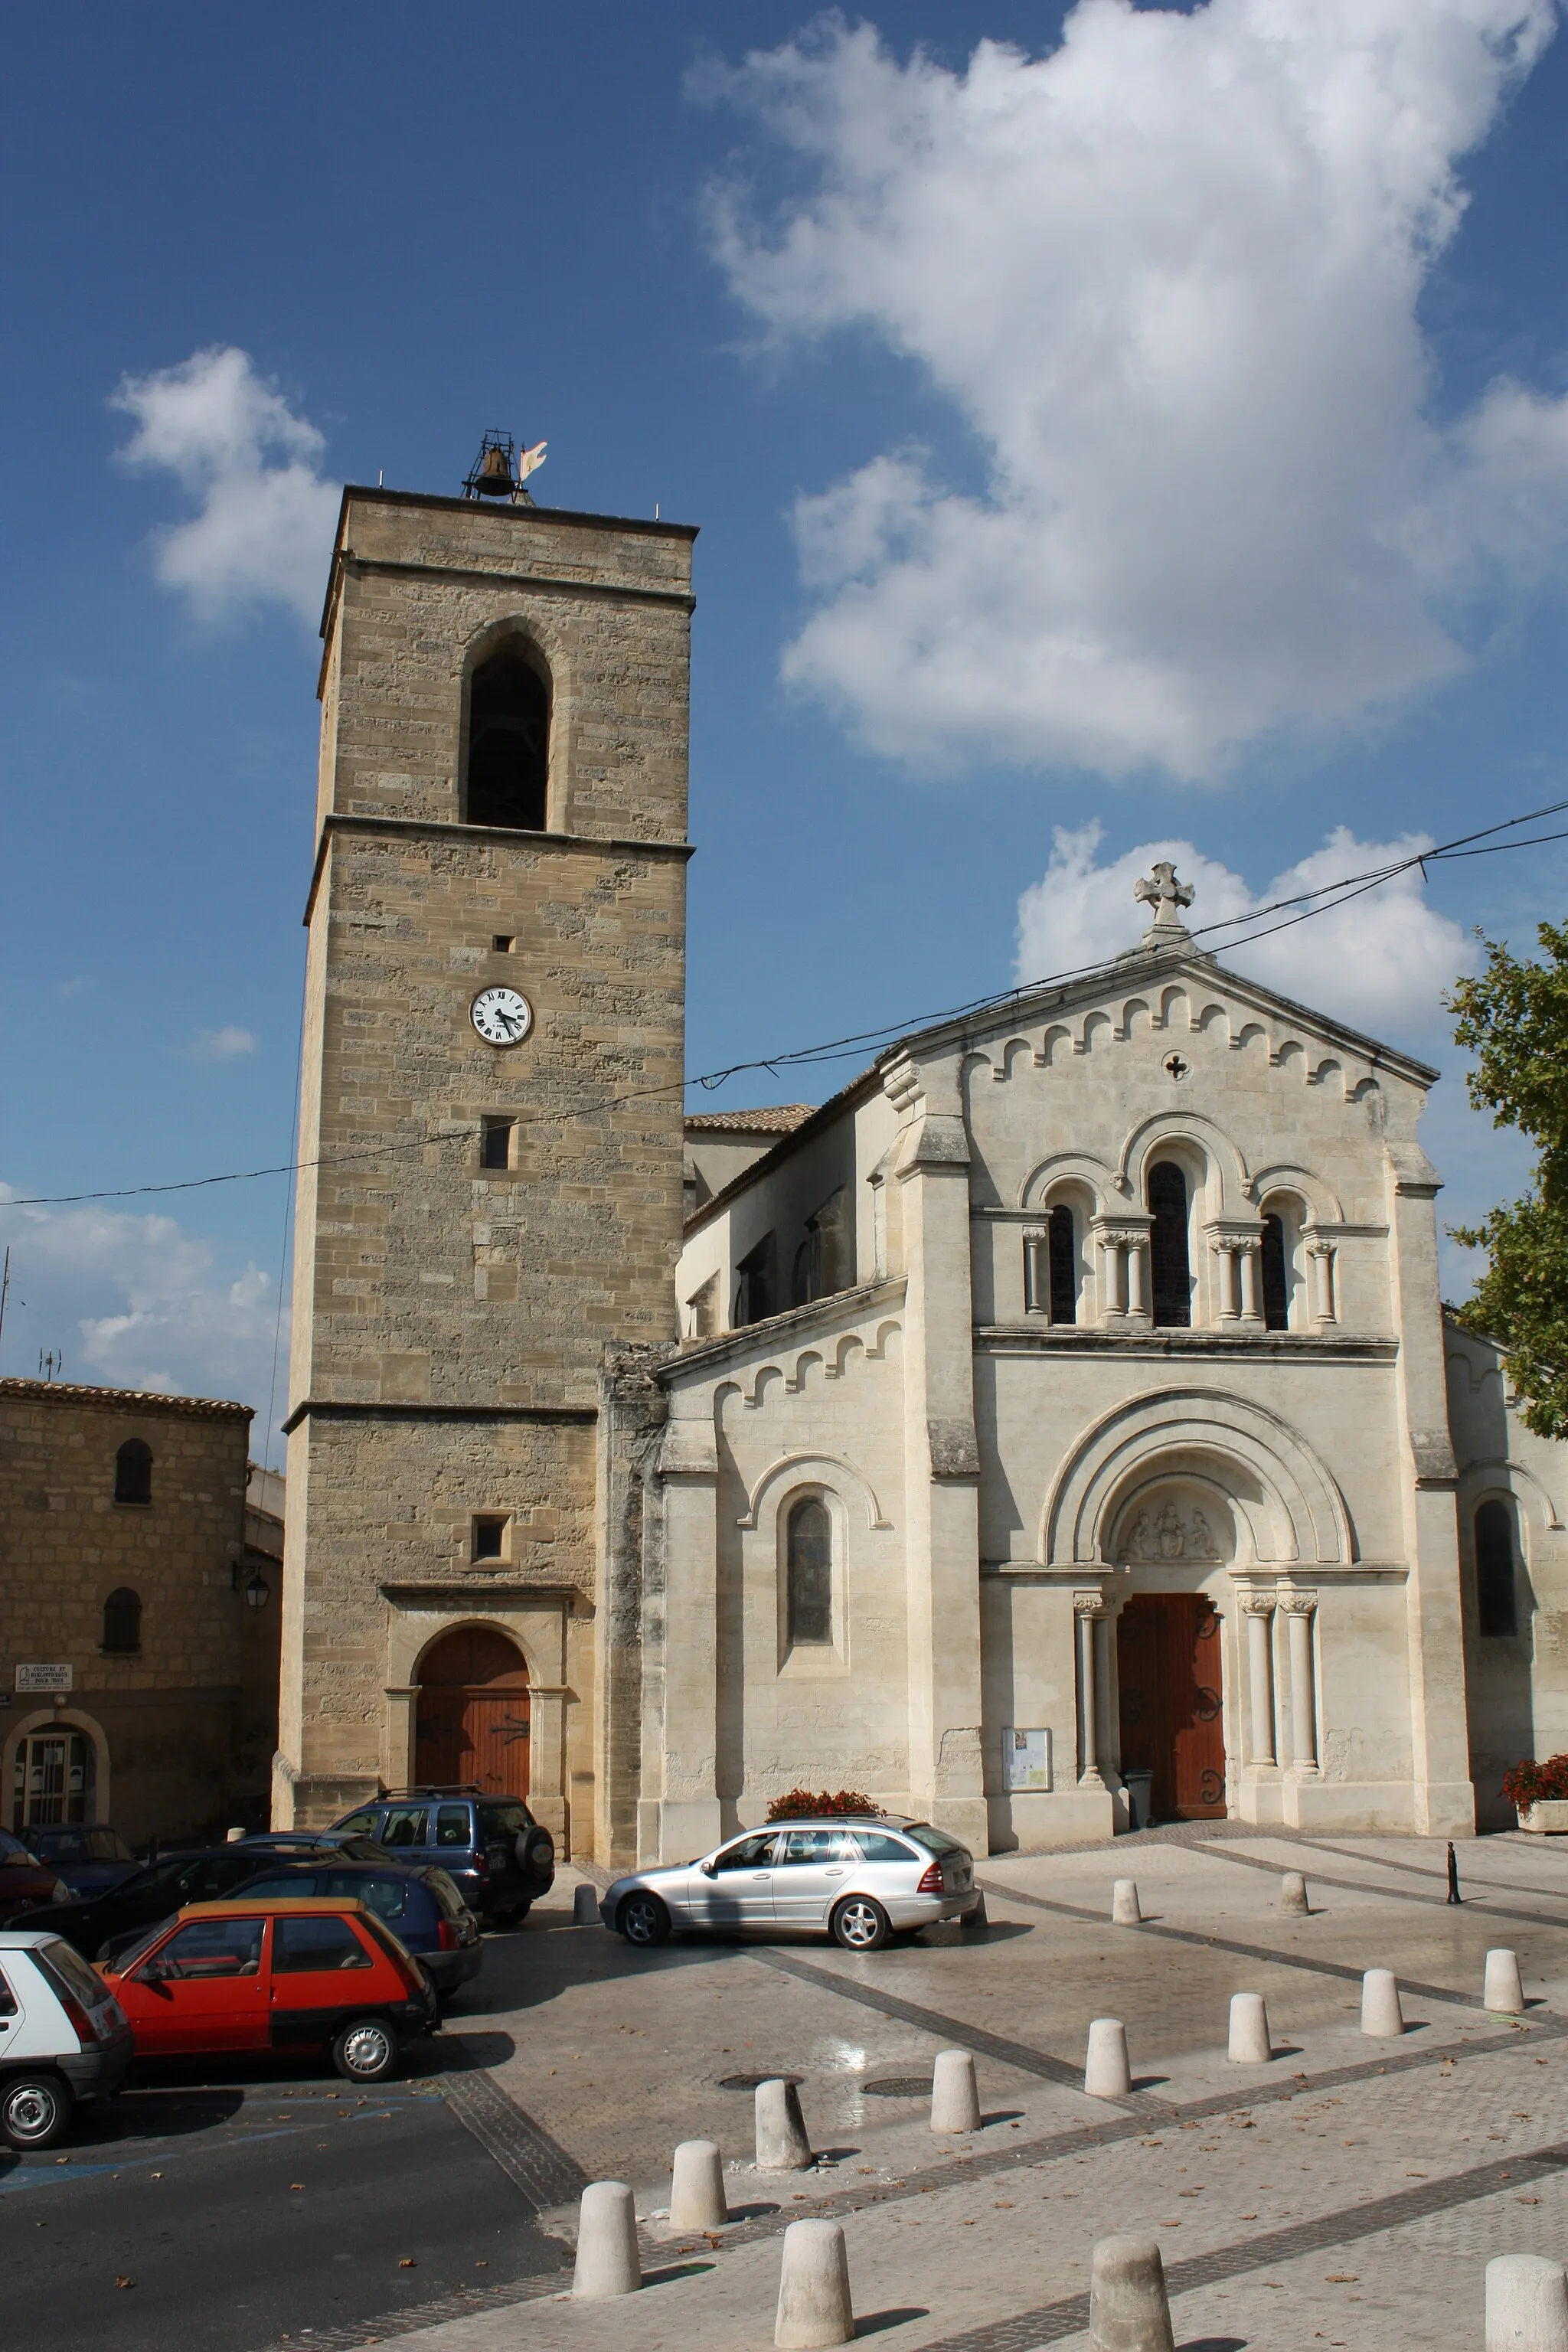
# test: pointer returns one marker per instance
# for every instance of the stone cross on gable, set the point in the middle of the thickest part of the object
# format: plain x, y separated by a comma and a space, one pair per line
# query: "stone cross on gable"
1161, 890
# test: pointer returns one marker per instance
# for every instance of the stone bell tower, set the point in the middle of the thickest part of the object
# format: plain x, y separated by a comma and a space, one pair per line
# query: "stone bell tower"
490, 1128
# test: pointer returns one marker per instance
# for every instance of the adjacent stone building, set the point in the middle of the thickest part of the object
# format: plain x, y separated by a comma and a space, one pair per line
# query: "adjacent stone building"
1061, 1420
139, 1613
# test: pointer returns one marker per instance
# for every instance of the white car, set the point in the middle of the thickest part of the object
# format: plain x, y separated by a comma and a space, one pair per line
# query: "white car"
860, 1880
63, 2036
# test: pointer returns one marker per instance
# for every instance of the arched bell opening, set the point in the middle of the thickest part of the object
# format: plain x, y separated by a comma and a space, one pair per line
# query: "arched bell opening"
506, 778
472, 1723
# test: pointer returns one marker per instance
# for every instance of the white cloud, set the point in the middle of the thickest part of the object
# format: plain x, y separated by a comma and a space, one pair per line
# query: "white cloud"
220, 1044
263, 532
136, 1301
1168, 278
1381, 962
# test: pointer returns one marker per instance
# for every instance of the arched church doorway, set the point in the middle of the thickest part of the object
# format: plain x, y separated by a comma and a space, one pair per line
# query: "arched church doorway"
1173, 1538
472, 1723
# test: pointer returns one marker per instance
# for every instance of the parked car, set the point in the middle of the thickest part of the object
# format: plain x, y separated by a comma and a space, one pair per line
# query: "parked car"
26, 1884
276, 1975
857, 1880
86, 1860
63, 2037
103, 1924
497, 1855
421, 1905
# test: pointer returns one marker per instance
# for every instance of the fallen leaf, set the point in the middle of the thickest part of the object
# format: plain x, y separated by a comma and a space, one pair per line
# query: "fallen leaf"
408, 2263
1341, 2278
124, 2282
296, 2184
1527, 2200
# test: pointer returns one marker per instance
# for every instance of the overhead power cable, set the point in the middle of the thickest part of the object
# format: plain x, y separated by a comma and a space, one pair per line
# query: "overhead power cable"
1301, 908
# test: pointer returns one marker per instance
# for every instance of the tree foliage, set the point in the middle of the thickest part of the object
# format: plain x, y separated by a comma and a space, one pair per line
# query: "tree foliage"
1514, 1018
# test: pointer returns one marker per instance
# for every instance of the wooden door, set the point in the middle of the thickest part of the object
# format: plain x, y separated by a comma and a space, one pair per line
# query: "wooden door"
1168, 1674
472, 1727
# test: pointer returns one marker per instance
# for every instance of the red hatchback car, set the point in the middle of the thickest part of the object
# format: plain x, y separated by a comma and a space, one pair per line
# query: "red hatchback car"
232, 1976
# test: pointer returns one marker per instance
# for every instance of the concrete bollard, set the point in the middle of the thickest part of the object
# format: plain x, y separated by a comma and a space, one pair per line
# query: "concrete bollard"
1380, 2010
814, 2287
1107, 2074
1293, 1896
1249, 2042
1129, 2310
1124, 1911
954, 2097
1504, 1991
1527, 2304
584, 1905
697, 2198
782, 2143
607, 2243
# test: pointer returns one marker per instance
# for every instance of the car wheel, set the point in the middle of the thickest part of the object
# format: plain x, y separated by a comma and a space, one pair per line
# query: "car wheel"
860, 1925
643, 1919
34, 2110
514, 1915
366, 2050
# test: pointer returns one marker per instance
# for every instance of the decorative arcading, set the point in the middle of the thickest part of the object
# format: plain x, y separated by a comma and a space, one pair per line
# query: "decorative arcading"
1100, 1026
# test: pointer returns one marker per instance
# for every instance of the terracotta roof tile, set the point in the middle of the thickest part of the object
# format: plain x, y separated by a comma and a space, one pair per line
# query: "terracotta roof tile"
132, 1400
782, 1119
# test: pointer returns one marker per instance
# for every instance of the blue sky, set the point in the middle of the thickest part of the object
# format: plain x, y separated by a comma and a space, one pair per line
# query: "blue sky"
1159, 431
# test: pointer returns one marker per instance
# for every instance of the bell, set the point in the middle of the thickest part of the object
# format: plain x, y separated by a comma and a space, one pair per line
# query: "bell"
494, 478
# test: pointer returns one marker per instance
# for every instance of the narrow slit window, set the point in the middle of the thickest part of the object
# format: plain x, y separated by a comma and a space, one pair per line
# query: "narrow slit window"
1496, 1609
495, 1144
133, 1472
489, 1537
1061, 1245
1276, 1275
809, 1546
1169, 1272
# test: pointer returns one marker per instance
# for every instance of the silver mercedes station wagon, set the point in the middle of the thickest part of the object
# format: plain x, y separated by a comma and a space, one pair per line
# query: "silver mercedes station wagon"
857, 1880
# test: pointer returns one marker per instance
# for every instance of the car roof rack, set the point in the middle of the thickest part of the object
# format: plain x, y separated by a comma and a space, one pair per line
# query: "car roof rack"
467, 1788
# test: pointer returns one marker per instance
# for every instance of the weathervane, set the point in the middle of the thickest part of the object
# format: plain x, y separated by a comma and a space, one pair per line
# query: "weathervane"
498, 472
1159, 889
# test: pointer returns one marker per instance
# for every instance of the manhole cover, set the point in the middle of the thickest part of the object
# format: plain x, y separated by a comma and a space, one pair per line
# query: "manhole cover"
898, 2087
749, 2082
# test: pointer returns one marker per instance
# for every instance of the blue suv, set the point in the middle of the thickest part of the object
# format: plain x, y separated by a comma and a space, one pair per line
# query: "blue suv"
497, 1855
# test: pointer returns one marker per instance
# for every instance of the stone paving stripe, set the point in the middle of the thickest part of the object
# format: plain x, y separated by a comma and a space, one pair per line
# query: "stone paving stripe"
1070, 2317
524, 2150
467, 2303
968, 2037
1488, 1887
1226, 1943
1395, 1893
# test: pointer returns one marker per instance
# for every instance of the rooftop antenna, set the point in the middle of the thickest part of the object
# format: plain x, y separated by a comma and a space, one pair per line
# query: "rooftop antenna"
381, 478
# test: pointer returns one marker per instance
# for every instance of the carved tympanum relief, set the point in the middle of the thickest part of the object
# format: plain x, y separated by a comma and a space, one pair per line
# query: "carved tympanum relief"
1175, 1527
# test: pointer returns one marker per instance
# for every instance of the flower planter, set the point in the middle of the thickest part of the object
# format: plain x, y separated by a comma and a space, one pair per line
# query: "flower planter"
1548, 1817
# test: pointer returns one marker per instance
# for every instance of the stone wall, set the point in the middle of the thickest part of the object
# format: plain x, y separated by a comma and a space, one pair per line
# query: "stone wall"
184, 1728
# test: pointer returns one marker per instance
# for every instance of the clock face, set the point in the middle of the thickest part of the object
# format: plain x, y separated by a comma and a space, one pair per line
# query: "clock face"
501, 1016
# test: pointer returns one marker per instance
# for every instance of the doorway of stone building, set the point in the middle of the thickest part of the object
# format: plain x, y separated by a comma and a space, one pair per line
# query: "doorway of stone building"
472, 1728
1168, 1674
55, 1774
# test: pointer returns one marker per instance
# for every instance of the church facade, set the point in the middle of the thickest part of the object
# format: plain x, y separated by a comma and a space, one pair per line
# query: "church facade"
1059, 1425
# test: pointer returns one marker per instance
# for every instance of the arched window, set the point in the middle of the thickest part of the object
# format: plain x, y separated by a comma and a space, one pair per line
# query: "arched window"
1061, 1246
1170, 1275
133, 1472
122, 1623
509, 742
809, 1567
1276, 1275
1495, 1607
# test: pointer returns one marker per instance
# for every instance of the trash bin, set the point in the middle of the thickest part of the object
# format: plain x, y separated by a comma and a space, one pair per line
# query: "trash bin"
1137, 1784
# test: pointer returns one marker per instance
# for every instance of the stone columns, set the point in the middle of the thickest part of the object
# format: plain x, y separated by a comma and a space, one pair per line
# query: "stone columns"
1321, 1255
1037, 1272
1257, 1610
1248, 1257
1090, 1613
1123, 1264
1228, 1301
1137, 1295
1113, 1261
1299, 1609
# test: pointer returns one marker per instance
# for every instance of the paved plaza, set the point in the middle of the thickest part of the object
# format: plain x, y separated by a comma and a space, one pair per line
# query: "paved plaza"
1347, 2194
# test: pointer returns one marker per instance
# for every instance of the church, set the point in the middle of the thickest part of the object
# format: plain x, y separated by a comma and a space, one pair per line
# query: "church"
1059, 1428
